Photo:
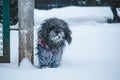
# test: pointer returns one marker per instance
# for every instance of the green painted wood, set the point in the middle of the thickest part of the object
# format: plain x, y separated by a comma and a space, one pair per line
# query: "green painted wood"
6, 32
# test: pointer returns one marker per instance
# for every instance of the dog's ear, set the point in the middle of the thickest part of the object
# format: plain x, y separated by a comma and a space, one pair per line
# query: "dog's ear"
68, 36
42, 30
39, 32
67, 31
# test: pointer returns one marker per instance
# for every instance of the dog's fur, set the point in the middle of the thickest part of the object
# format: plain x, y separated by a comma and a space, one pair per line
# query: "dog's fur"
52, 36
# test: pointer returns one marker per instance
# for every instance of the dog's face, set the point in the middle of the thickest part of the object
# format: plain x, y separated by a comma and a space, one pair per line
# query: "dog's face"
55, 31
56, 35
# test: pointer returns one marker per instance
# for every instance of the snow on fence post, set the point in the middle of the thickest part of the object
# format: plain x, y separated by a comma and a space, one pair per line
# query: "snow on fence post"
26, 29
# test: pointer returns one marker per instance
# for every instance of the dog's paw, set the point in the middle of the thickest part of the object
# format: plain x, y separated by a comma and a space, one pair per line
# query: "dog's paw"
54, 65
42, 66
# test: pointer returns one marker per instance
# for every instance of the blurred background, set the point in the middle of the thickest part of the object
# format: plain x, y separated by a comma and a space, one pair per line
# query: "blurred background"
49, 4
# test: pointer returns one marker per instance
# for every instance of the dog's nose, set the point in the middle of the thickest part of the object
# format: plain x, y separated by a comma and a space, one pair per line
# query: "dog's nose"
57, 31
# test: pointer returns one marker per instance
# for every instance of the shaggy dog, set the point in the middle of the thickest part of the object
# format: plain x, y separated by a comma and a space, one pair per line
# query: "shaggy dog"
52, 37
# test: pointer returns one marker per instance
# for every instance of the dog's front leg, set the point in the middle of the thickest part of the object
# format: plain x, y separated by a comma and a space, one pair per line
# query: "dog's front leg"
56, 60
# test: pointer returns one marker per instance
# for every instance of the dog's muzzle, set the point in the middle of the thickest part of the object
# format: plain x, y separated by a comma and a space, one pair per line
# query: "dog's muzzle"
56, 36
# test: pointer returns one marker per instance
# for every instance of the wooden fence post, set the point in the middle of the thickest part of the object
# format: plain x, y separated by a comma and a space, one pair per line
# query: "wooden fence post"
26, 29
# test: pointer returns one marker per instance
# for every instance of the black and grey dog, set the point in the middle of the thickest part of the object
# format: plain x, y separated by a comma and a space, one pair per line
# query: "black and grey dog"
52, 37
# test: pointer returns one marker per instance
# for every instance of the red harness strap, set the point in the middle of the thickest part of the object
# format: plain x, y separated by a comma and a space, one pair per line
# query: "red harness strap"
48, 52
43, 44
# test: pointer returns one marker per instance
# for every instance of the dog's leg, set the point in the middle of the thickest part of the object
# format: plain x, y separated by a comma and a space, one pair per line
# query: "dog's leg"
42, 61
44, 56
56, 60
41, 57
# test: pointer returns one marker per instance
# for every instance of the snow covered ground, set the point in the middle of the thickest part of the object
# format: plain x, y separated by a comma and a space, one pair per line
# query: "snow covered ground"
94, 53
